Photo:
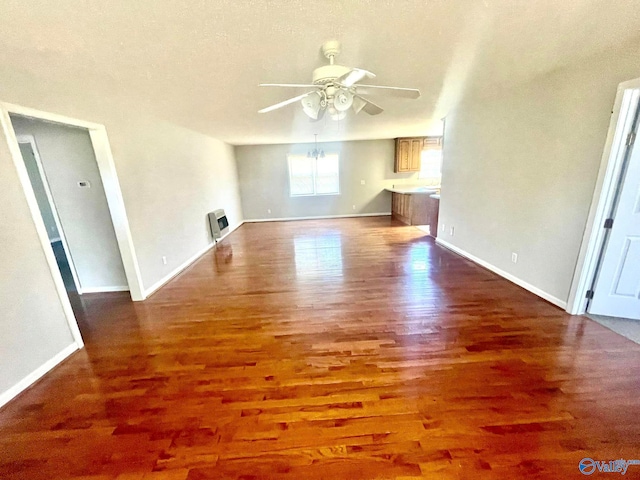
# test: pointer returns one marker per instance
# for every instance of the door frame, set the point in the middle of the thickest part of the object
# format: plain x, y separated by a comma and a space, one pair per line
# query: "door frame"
115, 202
30, 139
607, 183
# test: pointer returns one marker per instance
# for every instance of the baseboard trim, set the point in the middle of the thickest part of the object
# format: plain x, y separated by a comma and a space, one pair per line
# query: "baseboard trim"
521, 283
319, 217
120, 288
163, 281
36, 375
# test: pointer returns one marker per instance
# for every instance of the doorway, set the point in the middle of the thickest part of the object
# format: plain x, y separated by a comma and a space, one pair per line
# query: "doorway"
607, 278
615, 290
84, 235
44, 197
110, 183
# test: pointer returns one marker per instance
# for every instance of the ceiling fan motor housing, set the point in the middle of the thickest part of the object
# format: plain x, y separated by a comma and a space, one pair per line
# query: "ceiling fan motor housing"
331, 48
328, 73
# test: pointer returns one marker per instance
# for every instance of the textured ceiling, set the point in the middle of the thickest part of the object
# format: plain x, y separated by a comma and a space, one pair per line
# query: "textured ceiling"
197, 63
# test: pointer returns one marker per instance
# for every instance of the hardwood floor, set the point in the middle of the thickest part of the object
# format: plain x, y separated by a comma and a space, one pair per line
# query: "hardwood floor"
333, 349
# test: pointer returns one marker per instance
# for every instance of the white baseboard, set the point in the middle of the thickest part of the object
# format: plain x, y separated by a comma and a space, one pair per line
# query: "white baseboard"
26, 382
121, 288
163, 281
521, 283
319, 217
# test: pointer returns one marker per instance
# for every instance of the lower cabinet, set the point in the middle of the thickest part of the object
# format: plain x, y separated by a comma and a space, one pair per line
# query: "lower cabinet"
401, 207
416, 209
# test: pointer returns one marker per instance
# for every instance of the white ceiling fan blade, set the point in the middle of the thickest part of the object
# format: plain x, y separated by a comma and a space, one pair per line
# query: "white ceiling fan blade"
354, 76
360, 103
285, 103
292, 85
388, 91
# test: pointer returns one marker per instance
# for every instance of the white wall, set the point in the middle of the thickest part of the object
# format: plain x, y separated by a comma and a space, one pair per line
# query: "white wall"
520, 168
264, 180
67, 157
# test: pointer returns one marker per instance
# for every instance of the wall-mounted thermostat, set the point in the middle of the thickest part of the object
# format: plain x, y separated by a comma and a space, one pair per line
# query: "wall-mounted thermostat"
84, 184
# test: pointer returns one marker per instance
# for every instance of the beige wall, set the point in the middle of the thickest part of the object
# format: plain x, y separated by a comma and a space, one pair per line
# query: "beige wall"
264, 180
67, 157
170, 178
520, 168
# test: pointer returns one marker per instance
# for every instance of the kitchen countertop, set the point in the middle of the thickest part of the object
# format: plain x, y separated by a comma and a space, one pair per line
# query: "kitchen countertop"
414, 190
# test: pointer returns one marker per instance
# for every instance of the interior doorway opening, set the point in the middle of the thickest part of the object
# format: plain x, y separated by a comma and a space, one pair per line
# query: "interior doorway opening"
46, 204
61, 164
64, 176
107, 180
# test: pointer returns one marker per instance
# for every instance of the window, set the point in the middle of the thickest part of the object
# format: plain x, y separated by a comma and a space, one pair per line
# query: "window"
311, 176
431, 163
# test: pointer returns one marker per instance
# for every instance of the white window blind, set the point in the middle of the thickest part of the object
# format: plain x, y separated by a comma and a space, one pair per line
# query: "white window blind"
311, 176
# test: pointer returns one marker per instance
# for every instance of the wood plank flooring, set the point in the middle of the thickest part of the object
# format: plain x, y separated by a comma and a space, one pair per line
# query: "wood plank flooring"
333, 349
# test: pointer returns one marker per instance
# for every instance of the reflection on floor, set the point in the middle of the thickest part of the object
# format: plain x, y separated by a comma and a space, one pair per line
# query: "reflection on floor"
425, 228
318, 255
624, 326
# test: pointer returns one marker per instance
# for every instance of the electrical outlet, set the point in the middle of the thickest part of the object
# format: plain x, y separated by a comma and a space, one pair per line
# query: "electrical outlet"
443, 228
514, 257
361, 182
268, 210
164, 260
354, 207
451, 231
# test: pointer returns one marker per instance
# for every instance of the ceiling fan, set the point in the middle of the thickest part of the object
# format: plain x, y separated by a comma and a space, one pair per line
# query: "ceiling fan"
335, 89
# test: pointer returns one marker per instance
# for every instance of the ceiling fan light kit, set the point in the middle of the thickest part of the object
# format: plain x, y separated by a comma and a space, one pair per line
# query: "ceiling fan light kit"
336, 89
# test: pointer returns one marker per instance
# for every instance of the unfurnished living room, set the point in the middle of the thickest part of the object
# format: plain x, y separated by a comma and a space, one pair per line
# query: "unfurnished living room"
296, 239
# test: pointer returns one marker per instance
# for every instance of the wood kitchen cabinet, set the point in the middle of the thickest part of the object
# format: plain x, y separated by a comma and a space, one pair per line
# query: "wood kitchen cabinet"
416, 210
408, 151
401, 207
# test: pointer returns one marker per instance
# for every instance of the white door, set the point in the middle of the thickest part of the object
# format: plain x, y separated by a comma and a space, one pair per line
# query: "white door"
617, 288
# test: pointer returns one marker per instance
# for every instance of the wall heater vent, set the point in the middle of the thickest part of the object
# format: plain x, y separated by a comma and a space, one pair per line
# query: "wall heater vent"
218, 223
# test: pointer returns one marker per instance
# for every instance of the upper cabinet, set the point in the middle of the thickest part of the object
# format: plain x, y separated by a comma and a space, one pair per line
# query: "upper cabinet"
409, 151
408, 154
